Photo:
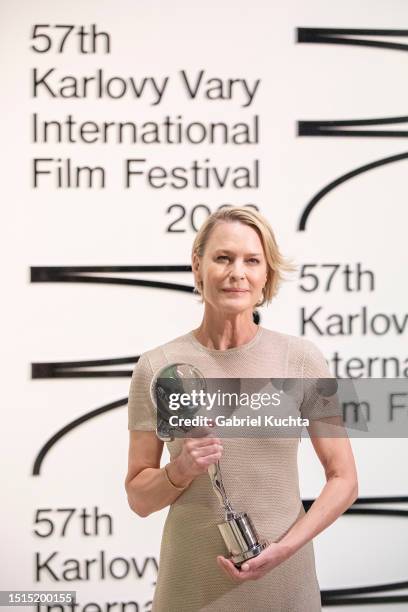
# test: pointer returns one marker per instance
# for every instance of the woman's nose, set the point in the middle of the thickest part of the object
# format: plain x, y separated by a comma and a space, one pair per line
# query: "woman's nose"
238, 270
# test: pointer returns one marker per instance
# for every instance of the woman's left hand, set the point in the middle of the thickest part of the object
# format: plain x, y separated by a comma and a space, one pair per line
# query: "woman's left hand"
255, 568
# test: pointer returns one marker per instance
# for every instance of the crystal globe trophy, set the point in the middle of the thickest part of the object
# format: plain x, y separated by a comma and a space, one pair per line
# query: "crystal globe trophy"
237, 530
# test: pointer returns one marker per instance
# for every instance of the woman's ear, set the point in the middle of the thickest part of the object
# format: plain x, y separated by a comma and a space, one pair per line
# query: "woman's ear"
195, 266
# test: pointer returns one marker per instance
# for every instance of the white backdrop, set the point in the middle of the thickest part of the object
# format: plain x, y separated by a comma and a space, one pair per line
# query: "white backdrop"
362, 221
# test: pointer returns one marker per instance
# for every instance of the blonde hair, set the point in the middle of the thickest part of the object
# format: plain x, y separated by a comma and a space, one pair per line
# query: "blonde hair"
276, 263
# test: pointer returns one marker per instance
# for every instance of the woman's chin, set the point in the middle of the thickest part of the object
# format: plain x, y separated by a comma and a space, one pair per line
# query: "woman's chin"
239, 304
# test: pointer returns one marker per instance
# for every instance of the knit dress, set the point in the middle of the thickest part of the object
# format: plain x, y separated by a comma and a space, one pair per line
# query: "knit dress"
260, 476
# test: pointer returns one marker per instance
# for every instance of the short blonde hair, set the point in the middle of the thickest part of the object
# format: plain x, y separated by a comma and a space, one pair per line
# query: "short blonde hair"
276, 263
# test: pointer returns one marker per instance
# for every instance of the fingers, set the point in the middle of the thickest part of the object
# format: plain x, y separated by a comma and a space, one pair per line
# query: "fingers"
207, 460
193, 442
229, 568
201, 443
201, 432
239, 575
204, 451
256, 563
198, 454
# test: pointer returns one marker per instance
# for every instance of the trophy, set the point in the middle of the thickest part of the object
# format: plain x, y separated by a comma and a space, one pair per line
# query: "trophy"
237, 530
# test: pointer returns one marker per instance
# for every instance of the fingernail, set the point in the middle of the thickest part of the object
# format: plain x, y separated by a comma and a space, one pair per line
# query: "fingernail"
245, 567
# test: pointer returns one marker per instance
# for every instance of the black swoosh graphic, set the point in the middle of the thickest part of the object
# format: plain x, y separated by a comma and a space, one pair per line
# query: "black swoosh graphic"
69, 427
337, 36
72, 369
330, 128
344, 597
75, 274
342, 179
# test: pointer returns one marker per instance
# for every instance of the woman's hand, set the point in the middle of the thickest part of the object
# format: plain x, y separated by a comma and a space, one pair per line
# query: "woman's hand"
255, 568
197, 454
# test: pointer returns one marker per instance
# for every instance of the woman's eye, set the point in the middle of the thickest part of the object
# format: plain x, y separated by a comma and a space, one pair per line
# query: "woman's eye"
222, 257
253, 260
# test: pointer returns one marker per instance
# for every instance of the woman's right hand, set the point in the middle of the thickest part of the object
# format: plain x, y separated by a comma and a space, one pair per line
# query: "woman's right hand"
197, 454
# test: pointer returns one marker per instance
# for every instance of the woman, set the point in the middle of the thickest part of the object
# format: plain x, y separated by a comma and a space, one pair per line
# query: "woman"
236, 265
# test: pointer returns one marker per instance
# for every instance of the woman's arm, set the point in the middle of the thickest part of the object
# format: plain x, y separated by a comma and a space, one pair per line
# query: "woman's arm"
339, 492
330, 441
150, 488
147, 486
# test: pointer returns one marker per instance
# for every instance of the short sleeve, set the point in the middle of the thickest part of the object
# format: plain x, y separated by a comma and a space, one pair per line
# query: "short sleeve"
141, 410
320, 398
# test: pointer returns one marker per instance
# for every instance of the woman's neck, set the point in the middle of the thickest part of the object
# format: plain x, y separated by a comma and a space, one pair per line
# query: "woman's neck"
222, 333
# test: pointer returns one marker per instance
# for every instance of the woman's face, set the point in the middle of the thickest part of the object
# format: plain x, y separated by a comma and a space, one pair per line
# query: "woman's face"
233, 268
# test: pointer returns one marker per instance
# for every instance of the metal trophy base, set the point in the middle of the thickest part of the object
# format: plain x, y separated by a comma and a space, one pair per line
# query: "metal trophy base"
241, 538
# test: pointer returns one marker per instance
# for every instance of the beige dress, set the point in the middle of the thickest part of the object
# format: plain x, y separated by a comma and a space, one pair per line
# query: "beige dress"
260, 476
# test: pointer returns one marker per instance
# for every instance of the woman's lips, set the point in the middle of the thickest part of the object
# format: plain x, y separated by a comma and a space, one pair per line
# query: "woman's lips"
236, 290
